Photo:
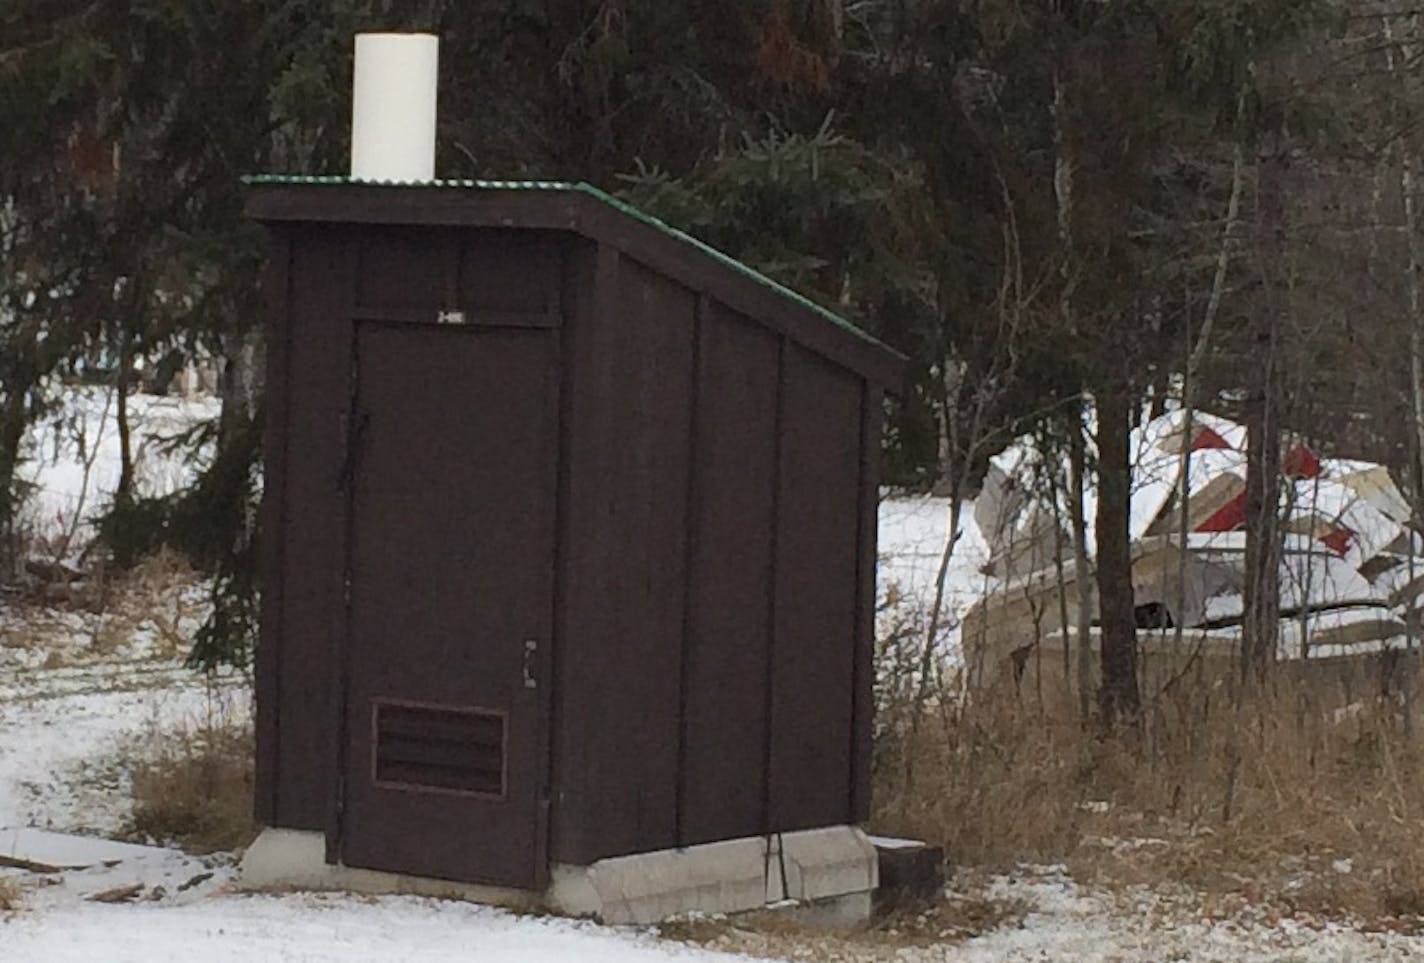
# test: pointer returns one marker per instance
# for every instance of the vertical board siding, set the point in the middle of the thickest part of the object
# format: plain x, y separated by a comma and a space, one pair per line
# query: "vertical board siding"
817, 553
589, 287
274, 461
578, 290
729, 579
312, 538
872, 414
623, 612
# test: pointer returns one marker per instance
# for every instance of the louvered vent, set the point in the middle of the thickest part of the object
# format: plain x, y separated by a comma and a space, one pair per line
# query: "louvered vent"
439, 749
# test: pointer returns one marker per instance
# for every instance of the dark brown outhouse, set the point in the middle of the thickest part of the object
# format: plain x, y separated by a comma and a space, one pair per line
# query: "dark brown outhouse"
570, 534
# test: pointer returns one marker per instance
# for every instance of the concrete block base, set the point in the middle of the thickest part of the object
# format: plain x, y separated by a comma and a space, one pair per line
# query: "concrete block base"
911, 872
831, 871
726, 877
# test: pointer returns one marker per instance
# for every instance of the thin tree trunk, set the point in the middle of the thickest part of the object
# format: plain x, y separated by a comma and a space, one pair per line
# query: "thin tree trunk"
1077, 458
927, 651
926, 667
123, 493
1054, 491
1118, 697
1261, 593
1412, 278
1416, 347
13, 418
1195, 357
1077, 478
241, 389
91, 454
1261, 597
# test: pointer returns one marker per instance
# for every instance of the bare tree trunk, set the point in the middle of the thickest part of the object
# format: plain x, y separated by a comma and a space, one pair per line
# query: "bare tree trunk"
1261, 601
123, 493
936, 609
1054, 485
1077, 478
14, 416
241, 389
1077, 457
1416, 343
1261, 598
1118, 697
90, 454
1412, 278
1195, 357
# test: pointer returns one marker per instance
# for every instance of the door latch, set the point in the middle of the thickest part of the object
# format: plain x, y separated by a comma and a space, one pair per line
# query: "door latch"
531, 651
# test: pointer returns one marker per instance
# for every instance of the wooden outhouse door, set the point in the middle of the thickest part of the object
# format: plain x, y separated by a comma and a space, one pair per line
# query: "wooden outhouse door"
452, 473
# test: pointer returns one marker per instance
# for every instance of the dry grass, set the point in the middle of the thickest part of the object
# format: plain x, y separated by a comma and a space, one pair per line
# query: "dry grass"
195, 790
777, 934
101, 614
1279, 800
9, 895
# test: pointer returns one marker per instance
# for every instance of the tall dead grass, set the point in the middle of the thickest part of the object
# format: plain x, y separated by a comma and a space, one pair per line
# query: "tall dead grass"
9, 895
194, 789
1281, 795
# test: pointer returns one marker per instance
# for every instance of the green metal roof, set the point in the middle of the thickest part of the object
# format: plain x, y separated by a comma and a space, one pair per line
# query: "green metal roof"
580, 187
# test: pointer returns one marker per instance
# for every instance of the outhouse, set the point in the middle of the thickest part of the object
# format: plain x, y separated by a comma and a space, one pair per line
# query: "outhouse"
569, 544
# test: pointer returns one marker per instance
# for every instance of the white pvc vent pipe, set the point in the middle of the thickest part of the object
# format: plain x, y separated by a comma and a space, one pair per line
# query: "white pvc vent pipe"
393, 106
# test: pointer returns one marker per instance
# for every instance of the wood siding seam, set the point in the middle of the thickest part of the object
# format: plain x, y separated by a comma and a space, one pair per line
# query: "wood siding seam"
772, 614
342, 639
568, 340
689, 554
274, 517
863, 667
572, 841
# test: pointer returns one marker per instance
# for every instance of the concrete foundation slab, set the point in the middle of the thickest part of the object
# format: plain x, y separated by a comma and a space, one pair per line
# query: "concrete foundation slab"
832, 870
296, 859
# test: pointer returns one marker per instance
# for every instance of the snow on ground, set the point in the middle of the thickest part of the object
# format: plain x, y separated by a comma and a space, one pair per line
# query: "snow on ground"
1067, 922
318, 928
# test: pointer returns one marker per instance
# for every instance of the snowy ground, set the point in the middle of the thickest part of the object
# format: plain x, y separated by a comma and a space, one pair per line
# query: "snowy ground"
81, 692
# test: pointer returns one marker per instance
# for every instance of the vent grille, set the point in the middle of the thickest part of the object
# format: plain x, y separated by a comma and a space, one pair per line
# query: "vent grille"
438, 748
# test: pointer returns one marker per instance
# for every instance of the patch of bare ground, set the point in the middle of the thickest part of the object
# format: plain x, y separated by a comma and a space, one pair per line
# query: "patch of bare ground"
779, 934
